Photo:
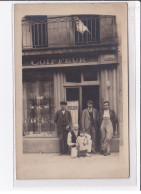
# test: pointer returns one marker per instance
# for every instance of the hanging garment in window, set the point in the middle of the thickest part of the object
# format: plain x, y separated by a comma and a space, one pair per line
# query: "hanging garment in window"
80, 27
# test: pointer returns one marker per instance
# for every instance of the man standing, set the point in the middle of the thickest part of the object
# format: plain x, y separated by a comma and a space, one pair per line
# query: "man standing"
89, 116
63, 120
107, 122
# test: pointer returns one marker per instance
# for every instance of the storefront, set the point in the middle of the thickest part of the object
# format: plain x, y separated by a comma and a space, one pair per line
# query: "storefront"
74, 74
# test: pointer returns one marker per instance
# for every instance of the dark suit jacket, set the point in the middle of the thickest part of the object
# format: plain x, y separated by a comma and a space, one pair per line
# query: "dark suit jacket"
86, 120
113, 118
58, 120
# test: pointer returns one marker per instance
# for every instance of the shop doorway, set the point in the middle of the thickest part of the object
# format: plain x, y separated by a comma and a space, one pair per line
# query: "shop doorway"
73, 100
90, 93
77, 101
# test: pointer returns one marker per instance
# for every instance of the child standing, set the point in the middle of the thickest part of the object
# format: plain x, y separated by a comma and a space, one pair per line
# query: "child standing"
84, 144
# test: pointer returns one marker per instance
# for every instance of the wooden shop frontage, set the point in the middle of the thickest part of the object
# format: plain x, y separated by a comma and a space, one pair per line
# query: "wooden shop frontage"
67, 65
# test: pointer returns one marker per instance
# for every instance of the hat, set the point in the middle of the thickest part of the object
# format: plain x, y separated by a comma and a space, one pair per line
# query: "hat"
90, 101
63, 102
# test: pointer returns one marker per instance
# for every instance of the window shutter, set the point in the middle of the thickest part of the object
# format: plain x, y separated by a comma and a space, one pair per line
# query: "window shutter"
107, 28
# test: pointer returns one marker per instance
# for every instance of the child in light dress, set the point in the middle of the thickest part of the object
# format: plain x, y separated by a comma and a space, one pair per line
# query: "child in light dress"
84, 144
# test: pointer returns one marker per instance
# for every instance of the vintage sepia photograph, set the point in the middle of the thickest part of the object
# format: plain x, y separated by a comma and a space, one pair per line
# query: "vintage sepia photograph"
71, 72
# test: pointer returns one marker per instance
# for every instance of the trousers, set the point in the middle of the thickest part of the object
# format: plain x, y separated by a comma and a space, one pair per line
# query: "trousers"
91, 131
63, 141
106, 135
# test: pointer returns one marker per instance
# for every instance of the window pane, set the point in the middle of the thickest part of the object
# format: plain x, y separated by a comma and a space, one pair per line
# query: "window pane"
90, 75
38, 106
73, 76
86, 29
39, 34
72, 94
47, 106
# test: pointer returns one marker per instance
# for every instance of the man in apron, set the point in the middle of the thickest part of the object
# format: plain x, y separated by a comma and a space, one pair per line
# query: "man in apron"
107, 120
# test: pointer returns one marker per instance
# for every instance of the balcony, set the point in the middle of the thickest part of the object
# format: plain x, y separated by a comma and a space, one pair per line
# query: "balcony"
68, 34
59, 31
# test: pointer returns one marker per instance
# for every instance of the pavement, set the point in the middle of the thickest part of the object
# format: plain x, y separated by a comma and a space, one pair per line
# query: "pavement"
41, 166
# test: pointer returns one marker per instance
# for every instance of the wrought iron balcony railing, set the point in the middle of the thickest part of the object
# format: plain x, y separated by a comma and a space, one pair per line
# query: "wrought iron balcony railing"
59, 31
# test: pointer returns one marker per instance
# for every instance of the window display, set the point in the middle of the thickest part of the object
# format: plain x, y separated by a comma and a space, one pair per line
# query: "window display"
38, 109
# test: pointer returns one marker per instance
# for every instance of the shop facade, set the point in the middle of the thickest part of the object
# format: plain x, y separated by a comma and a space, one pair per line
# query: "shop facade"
62, 60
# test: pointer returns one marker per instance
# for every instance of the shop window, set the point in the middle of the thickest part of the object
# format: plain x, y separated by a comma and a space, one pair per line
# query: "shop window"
90, 75
38, 108
73, 76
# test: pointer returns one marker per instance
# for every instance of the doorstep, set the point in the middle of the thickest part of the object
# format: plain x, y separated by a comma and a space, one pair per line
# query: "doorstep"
51, 145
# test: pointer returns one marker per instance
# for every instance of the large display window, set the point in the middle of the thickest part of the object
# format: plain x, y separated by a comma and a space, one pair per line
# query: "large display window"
38, 110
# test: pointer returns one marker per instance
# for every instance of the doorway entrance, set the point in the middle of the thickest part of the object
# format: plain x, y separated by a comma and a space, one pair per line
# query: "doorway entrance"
73, 100
90, 93
82, 94
77, 101
77, 98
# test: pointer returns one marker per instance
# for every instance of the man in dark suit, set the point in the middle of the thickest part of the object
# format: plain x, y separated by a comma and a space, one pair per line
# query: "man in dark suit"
63, 120
89, 122
107, 121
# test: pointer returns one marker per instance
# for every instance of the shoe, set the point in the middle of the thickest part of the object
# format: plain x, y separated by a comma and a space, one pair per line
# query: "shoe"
105, 154
87, 154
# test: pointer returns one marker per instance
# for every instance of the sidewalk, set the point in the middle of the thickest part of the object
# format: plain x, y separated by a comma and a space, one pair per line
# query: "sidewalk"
63, 166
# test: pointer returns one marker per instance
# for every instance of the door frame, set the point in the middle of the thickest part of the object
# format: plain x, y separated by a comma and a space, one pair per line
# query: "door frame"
79, 86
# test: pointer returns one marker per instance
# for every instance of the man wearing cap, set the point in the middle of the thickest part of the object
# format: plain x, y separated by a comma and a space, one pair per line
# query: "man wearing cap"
89, 121
107, 120
63, 120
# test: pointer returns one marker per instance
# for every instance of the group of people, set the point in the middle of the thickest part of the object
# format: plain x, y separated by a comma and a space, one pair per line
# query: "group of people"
83, 137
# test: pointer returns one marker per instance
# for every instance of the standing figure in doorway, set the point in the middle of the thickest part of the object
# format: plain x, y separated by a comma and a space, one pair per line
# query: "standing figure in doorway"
107, 120
89, 122
63, 120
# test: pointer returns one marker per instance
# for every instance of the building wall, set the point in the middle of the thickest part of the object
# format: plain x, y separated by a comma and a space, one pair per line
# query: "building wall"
59, 90
110, 77
62, 33
111, 90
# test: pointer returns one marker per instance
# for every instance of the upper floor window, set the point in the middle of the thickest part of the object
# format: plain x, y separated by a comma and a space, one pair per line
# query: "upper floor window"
39, 30
39, 34
86, 29
53, 31
35, 30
